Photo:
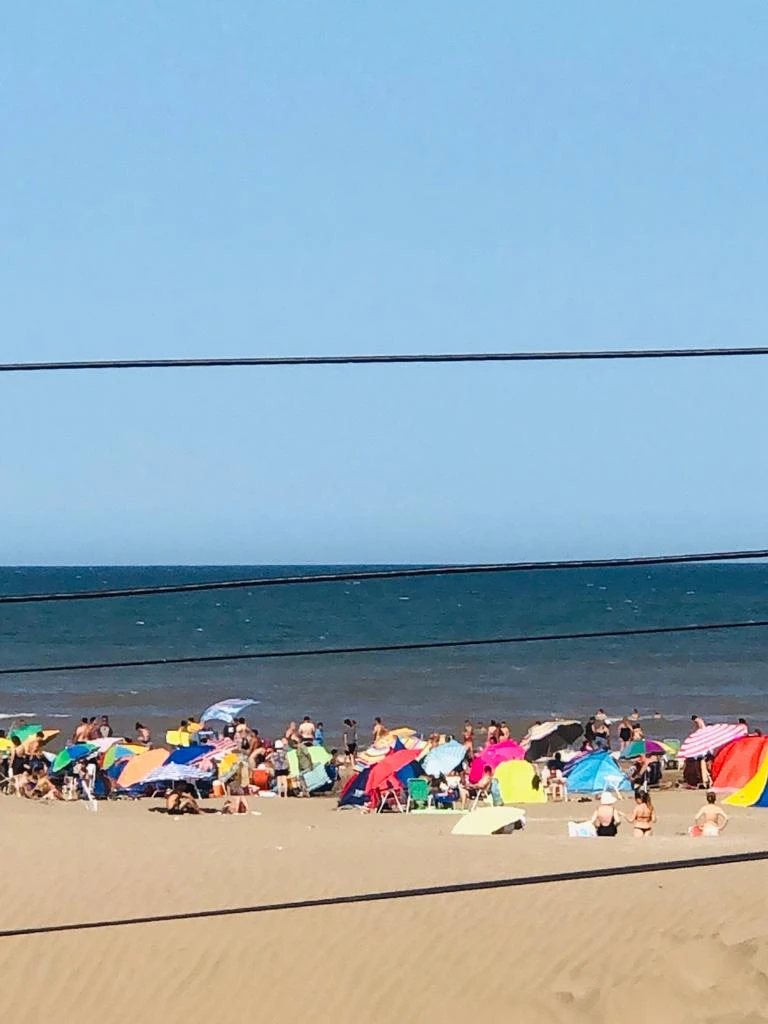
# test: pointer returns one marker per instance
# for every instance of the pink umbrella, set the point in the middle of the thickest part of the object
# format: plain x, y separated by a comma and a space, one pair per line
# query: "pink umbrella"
493, 756
709, 740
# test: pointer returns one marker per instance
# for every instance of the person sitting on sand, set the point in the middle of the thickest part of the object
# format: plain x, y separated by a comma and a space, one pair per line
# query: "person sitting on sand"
710, 820
643, 817
606, 819
235, 805
181, 801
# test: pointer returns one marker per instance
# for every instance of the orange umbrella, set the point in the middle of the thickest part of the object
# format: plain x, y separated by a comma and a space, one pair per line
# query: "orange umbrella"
137, 769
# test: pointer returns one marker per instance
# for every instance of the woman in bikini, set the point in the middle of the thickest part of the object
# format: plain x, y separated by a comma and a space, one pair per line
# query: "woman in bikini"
643, 816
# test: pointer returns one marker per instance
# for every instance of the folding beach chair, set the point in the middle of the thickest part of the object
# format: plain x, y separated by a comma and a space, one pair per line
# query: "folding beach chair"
389, 797
418, 794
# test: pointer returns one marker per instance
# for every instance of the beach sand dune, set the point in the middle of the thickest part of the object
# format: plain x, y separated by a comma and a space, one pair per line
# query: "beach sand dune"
691, 945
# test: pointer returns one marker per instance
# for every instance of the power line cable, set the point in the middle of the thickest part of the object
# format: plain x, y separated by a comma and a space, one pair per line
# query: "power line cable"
429, 645
387, 574
357, 360
582, 874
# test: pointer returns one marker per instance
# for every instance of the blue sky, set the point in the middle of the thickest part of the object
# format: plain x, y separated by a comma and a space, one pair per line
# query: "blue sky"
197, 179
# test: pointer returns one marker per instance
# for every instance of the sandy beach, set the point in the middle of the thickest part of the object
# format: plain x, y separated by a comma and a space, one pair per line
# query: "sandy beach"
690, 944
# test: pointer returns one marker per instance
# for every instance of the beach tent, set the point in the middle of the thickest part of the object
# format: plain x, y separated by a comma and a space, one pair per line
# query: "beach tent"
317, 755
710, 739
353, 793
755, 792
594, 773
738, 762
519, 783
494, 755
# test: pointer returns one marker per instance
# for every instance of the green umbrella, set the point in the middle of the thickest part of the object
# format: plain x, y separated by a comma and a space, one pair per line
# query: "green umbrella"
25, 731
68, 756
317, 755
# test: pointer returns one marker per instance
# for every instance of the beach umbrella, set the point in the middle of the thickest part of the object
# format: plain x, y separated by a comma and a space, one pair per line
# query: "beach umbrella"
709, 740
399, 766
443, 759
403, 732
547, 738
595, 773
488, 821
317, 755
175, 773
120, 752
190, 755
493, 756
227, 710
642, 748
24, 732
136, 770
68, 756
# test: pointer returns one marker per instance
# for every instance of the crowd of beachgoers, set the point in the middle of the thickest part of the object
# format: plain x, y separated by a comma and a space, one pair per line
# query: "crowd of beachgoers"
230, 758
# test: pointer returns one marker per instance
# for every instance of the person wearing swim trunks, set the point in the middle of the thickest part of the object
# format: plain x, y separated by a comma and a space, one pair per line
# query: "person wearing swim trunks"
710, 820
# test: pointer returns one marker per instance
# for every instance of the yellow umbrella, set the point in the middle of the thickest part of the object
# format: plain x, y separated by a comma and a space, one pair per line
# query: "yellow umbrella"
489, 820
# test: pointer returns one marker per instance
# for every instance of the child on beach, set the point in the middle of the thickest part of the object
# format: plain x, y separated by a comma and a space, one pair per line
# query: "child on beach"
643, 817
710, 820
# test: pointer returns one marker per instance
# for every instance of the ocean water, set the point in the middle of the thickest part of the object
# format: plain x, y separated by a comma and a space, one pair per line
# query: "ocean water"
716, 674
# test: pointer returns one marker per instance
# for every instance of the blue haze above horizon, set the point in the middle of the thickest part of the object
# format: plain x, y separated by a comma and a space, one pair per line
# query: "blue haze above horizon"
219, 180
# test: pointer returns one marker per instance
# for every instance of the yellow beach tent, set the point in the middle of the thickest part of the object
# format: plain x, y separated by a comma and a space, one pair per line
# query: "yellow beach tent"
516, 783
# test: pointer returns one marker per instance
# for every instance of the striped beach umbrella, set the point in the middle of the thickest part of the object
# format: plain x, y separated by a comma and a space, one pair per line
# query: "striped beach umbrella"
176, 773
709, 739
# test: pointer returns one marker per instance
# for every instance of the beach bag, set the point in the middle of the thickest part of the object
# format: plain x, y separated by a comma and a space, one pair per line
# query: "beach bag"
581, 830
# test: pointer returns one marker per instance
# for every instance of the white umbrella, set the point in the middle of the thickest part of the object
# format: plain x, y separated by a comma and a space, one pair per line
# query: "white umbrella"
176, 773
227, 710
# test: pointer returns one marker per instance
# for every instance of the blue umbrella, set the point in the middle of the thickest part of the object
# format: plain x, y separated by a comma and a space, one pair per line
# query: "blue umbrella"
227, 710
186, 755
443, 759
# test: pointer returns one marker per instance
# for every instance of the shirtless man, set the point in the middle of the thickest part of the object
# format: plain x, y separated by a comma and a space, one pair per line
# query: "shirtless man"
710, 820
80, 735
307, 731
379, 729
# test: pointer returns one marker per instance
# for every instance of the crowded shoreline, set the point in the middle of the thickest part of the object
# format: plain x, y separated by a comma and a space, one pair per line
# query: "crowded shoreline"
223, 756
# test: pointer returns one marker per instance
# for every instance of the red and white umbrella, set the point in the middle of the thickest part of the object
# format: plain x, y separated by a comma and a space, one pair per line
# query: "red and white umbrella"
709, 739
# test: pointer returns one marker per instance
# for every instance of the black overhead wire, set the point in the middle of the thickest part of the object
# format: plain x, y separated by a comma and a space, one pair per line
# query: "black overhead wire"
388, 574
357, 360
314, 903
429, 645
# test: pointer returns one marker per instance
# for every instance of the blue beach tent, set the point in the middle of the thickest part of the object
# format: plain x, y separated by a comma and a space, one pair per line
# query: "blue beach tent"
596, 772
